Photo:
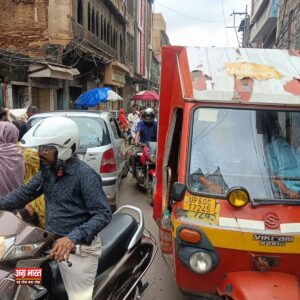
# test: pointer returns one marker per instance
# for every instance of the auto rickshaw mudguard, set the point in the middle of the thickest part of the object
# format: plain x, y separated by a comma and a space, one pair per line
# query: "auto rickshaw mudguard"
259, 286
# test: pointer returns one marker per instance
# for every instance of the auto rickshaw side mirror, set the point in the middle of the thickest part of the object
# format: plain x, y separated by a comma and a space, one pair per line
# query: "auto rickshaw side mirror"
178, 191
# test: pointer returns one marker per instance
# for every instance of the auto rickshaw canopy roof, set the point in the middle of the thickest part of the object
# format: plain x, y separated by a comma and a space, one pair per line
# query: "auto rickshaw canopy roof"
262, 76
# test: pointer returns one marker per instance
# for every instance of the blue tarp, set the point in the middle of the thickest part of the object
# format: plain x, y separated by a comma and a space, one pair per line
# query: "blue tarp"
93, 97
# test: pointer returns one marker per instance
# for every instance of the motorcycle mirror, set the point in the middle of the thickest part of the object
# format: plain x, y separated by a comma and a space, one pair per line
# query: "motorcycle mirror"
178, 191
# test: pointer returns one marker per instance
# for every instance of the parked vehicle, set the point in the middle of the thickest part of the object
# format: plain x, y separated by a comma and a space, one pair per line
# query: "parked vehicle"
127, 252
101, 146
145, 167
228, 171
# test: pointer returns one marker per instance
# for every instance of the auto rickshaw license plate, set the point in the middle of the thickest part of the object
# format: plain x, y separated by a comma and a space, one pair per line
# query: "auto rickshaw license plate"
199, 204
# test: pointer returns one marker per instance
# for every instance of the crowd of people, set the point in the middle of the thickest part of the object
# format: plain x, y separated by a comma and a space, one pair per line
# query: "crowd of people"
41, 178
44, 183
133, 125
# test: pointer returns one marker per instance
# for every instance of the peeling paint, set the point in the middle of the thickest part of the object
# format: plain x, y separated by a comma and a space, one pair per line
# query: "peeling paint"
293, 86
252, 70
294, 52
198, 80
243, 88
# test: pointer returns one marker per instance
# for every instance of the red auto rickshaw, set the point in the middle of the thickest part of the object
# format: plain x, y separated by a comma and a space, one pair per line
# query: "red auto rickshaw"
228, 170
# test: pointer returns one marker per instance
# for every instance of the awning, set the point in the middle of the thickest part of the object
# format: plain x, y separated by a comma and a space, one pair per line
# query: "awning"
115, 74
116, 64
51, 71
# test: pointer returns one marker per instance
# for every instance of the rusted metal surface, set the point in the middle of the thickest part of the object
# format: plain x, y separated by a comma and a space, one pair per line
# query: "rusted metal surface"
263, 76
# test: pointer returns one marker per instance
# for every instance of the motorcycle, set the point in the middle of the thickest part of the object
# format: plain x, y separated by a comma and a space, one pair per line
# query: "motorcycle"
128, 250
144, 170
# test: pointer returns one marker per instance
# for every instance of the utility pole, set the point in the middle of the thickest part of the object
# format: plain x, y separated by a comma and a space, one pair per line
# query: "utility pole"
243, 27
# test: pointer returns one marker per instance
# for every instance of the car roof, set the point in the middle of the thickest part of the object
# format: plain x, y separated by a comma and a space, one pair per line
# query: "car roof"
85, 113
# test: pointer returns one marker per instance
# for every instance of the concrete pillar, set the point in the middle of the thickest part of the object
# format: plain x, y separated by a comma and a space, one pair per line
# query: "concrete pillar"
67, 100
9, 97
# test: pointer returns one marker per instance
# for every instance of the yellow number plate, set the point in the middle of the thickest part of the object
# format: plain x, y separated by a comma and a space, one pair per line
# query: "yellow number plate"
199, 204
206, 218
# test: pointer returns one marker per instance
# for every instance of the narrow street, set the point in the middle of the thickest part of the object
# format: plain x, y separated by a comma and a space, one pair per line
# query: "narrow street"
162, 284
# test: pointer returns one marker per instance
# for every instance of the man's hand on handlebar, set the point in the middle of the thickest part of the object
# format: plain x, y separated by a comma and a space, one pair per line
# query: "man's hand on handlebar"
62, 249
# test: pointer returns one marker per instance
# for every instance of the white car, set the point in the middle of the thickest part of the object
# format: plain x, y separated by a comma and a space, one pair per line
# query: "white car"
101, 146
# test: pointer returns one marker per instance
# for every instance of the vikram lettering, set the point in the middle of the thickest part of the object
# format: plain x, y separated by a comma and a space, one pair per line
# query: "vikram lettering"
273, 240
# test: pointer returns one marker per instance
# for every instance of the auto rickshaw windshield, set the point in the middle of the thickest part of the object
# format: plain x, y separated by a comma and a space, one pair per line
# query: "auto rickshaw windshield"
256, 149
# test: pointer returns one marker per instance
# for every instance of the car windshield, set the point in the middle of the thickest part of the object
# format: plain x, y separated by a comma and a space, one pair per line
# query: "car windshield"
93, 131
255, 149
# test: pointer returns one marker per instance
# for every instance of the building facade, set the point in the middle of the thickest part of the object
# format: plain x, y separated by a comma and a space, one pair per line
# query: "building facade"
288, 25
159, 39
263, 24
275, 24
51, 50
142, 44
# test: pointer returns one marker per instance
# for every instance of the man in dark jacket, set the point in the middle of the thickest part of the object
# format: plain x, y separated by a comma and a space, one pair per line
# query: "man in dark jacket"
76, 206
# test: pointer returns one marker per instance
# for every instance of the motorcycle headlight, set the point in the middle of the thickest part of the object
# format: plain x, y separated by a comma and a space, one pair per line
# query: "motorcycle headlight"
6, 243
8, 249
201, 262
25, 250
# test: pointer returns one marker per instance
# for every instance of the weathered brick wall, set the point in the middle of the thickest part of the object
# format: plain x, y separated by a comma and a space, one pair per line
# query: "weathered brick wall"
288, 30
24, 24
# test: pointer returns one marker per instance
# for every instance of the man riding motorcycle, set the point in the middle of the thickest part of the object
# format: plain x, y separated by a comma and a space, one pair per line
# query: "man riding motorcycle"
76, 206
146, 132
147, 128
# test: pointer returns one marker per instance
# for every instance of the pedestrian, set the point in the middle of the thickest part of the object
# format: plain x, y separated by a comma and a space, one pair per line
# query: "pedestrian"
3, 114
135, 123
31, 110
131, 118
33, 212
76, 206
123, 123
11, 160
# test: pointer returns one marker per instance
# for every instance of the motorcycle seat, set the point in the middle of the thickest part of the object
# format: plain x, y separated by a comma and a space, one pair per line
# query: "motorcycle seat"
115, 238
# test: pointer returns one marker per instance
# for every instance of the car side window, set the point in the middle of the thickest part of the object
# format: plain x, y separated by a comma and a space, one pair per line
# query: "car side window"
115, 128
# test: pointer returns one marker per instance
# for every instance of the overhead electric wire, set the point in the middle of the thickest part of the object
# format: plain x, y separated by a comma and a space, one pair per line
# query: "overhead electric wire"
190, 17
223, 12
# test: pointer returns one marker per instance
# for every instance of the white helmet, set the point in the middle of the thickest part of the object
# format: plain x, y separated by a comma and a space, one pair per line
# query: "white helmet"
60, 132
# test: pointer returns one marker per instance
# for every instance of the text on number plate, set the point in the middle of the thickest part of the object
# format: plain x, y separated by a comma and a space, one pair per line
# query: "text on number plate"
199, 204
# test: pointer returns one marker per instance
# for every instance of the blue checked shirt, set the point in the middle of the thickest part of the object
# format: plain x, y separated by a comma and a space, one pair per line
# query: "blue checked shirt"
75, 203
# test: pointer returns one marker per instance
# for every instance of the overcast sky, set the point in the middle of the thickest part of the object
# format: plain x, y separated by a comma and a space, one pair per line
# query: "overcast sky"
201, 22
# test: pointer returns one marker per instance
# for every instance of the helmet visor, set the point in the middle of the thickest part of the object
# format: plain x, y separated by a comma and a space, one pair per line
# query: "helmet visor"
148, 118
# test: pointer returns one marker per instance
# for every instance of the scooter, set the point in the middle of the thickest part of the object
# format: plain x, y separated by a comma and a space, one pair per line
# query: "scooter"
128, 250
145, 167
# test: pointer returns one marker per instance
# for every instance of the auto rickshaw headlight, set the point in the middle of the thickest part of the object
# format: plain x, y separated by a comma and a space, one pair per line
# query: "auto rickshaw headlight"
201, 262
237, 197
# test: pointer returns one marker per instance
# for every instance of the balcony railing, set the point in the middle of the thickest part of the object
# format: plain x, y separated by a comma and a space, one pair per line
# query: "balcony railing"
94, 40
120, 6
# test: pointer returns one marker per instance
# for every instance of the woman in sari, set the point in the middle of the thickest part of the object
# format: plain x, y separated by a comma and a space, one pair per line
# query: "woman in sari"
11, 159
31, 167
